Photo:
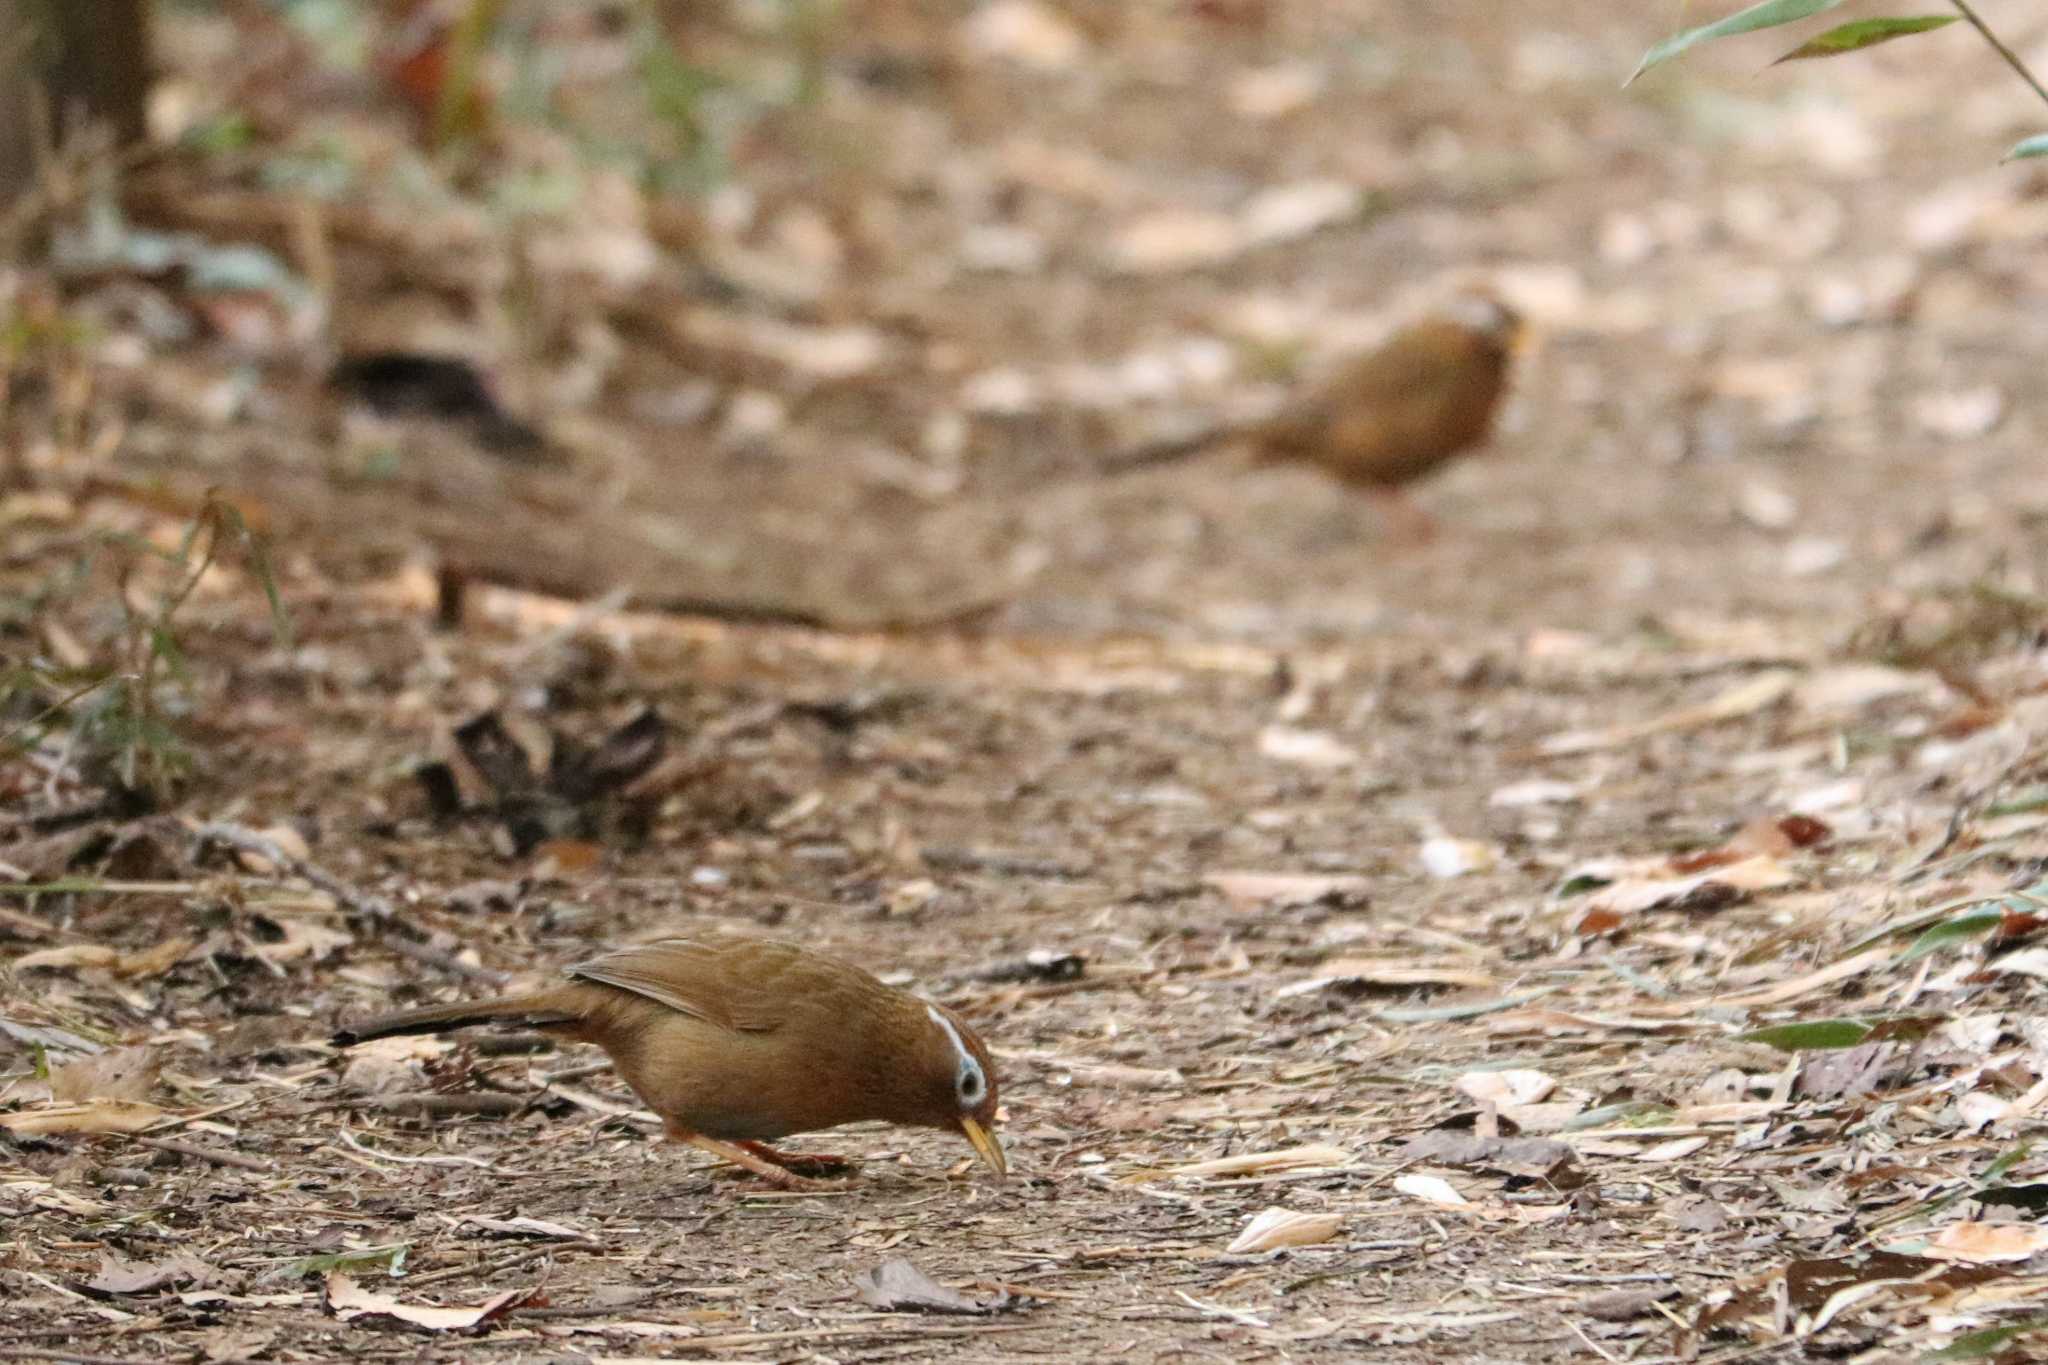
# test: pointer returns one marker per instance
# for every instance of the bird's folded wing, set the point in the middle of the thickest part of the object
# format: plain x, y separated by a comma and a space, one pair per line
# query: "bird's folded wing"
693, 978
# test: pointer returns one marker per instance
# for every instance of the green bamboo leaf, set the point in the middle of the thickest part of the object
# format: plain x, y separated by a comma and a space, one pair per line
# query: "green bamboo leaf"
1631, 1114
1769, 14
1864, 33
1987, 1343
1816, 1034
1976, 924
2037, 145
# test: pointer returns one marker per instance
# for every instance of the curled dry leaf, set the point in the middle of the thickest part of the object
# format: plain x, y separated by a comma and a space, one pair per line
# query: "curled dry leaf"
897, 1286
1277, 1227
1510, 1087
307, 937
1987, 1243
1433, 1188
129, 965
1277, 890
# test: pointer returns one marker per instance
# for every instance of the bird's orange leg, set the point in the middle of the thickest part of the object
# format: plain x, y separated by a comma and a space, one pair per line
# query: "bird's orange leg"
746, 1155
1406, 520
802, 1163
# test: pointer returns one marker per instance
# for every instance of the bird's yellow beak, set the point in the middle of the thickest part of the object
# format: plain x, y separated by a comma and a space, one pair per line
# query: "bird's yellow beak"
985, 1145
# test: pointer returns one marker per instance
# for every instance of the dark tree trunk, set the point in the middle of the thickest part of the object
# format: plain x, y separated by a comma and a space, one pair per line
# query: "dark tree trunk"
65, 66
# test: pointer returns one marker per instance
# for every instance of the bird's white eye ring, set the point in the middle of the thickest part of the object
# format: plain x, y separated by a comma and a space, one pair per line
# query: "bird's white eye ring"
971, 1085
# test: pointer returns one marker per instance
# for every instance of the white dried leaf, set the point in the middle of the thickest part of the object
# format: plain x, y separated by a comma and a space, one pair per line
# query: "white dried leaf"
1278, 1227
2025, 962
1537, 791
1517, 1085
1767, 506
1960, 414
348, 1300
1027, 33
1979, 1111
1444, 857
1258, 890
1287, 213
1434, 1189
1308, 748
1268, 92
1168, 240
1672, 1149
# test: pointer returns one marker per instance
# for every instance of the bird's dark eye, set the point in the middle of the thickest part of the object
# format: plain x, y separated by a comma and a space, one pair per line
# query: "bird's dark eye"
971, 1086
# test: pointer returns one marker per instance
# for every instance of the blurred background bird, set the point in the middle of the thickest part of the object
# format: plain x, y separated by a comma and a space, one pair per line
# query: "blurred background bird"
1388, 417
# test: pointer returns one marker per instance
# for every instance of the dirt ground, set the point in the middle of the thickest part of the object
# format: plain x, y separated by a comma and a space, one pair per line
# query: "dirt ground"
1440, 883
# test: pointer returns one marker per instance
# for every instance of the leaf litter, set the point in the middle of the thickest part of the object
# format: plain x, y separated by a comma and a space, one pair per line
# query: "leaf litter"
1318, 1036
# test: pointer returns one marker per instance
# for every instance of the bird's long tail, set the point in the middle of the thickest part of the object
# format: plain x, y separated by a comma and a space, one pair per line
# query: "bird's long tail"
1169, 449
539, 1011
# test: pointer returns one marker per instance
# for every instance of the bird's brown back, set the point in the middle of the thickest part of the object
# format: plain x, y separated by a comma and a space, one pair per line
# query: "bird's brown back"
1396, 413
752, 1039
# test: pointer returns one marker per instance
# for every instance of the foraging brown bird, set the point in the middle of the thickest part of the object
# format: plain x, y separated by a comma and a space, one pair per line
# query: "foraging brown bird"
738, 1041
1390, 416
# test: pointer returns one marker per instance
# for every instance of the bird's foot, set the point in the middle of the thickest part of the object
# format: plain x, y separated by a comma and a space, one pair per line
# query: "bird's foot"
746, 1155
802, 1163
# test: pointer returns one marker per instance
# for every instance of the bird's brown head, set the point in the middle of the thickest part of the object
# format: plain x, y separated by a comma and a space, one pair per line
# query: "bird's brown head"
958, 1084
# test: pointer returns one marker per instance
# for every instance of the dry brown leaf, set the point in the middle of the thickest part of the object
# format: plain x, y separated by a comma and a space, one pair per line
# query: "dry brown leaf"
1711, 889
94, 1116
288, 841
148, 962
1538, 1019
69, 956
1278, 1227
1784, 990
127, 1073
304, 937
347, 1300
118, 1276
1254, 1163
567, 858
1744, 699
